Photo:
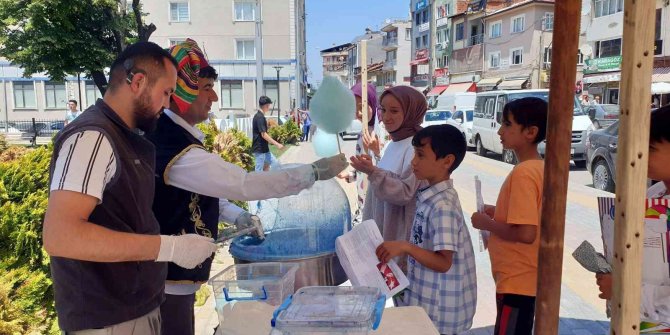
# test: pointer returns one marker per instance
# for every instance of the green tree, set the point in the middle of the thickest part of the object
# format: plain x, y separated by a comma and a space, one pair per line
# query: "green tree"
62, 37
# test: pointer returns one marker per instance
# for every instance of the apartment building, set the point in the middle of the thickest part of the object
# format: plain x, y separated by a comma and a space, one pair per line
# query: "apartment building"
335, 60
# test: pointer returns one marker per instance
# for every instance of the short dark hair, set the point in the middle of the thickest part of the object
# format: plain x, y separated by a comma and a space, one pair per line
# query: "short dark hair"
445, 140
72, 100
208, 72
529, 112
659, 129
262, 101
140, 57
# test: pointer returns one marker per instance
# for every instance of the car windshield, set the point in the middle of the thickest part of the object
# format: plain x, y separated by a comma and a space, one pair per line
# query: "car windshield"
469, 115
610, 109
437, 116
544, 95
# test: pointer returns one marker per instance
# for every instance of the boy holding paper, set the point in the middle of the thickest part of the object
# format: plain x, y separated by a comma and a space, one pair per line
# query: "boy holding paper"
655, 300
441, 262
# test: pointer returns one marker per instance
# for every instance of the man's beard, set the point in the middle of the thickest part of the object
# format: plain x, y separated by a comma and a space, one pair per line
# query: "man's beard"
146, 118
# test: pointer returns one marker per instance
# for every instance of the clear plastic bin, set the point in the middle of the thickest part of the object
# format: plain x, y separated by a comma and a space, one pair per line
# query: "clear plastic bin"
330, 310
265, 283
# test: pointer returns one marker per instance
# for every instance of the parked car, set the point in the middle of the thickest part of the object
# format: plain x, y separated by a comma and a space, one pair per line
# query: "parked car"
488, 118
601, 150
462, 120
603, 116
353, 130
435, 116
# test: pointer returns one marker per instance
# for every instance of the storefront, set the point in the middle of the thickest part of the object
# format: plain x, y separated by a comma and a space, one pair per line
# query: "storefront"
602, 77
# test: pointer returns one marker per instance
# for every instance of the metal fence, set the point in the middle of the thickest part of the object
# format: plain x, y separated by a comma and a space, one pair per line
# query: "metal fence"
30, 131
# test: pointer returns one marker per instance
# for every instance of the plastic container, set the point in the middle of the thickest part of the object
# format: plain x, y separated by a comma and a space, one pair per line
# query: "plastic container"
330, 310
265, 283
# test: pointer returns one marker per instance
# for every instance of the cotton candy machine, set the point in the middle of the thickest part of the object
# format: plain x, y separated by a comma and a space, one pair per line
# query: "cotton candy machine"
300, 229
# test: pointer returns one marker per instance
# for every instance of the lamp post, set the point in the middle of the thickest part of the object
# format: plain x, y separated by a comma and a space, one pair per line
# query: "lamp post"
278, 68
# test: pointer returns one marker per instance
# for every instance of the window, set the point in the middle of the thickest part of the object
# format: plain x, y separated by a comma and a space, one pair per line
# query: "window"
231, 94
408, 34
425, 16
245, 11
417, 43
516, 56
179, 12
608, 7
175, 41
418, 19
270, 87
424, 39
548, 24
580, 58
246, 50
494, 59
495, 29
517, 24
391, 55
92, 94
460, 31
24, 94
658, 45
608, 48
55, 95
547, 55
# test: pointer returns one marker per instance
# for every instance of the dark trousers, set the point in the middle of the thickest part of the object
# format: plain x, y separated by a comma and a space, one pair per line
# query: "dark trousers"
177, 315
516, 314
305, 133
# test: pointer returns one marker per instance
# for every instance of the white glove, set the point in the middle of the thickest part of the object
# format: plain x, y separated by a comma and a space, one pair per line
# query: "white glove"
327, 168
186, 251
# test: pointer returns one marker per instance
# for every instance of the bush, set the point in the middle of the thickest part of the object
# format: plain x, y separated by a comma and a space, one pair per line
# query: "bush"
288, 133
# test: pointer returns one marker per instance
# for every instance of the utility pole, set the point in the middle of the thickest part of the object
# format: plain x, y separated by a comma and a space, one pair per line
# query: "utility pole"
258, 42
278, 68
433, 37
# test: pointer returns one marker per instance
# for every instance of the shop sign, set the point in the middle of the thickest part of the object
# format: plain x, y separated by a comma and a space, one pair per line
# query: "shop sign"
421, 4
441, 72
605, 64
421, 54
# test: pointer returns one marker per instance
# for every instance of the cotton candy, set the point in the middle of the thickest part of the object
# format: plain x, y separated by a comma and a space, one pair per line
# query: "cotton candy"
325, 145
333, 107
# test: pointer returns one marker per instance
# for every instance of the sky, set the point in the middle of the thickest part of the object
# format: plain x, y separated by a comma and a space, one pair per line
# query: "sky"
340, 21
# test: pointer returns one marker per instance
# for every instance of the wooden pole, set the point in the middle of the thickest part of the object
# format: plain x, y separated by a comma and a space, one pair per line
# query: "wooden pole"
567, 14
638, 56
364, 85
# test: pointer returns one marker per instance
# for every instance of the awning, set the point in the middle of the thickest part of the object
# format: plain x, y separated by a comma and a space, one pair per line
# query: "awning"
661, 74
437, 90
489, 82
512, 84
419, 61
460, 88
660, 88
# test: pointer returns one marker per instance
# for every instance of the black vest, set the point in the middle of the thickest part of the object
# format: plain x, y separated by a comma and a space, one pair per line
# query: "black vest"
94, 294
179, 211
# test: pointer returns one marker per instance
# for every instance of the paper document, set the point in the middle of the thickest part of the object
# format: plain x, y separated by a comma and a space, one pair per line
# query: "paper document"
483, 235
356, 252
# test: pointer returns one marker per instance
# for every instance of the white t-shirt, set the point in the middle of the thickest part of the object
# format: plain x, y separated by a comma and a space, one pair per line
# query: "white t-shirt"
397, 156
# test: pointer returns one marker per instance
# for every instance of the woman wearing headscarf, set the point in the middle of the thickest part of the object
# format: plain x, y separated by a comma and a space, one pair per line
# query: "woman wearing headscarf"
402, 111
367, 143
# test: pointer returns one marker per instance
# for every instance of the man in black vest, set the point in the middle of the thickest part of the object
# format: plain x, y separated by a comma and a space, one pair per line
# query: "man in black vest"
190, 181
106, 252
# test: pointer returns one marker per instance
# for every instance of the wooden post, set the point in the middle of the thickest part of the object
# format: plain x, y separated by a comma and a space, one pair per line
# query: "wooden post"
364, 85
557, 164
638, 56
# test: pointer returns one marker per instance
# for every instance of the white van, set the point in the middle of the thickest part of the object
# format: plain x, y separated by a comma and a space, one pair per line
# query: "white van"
488, 118
456, 101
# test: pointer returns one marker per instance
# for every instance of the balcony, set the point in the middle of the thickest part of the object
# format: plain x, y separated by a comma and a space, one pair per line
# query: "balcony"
441, 22
424, 27
475, 40
390, 64
390, 43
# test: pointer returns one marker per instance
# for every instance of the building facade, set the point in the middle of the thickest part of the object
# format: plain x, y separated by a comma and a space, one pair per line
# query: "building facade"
375, 55
398, 46
422, 15
226, 31
335, 62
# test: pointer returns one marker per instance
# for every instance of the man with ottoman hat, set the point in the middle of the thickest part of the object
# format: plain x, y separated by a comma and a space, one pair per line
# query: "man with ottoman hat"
190, 181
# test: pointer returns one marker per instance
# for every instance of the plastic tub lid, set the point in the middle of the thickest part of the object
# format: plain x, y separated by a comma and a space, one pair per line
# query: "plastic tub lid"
320, 308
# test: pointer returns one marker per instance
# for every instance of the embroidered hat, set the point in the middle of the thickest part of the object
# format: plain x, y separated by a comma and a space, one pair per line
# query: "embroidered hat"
190, 60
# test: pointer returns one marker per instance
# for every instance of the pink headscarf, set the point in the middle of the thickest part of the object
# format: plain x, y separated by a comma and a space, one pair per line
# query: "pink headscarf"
372, 99
414, 107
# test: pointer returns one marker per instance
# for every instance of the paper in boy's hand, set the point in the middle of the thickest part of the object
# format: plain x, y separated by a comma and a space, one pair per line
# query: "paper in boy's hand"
388, 275
590, 259
483, 235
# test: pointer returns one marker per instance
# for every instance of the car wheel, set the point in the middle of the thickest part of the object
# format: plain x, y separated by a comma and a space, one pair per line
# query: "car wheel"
481, 151
509, 157
602, 177
580, 164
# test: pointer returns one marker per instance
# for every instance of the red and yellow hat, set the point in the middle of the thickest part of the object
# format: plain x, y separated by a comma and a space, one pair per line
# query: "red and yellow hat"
190, 60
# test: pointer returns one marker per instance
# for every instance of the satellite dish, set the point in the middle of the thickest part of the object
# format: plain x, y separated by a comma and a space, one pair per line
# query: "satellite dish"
586, 50
586, 8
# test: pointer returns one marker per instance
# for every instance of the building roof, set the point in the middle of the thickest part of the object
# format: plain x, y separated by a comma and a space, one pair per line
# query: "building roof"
515, 4
337, 48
